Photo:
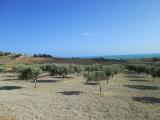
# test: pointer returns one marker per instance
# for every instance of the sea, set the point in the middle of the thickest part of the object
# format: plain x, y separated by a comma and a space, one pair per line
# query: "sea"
130, 56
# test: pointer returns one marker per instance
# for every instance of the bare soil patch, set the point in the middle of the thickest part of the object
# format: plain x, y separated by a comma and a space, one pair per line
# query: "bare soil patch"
129, 96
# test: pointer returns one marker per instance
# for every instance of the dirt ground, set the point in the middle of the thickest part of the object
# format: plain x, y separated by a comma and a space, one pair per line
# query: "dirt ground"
128, 96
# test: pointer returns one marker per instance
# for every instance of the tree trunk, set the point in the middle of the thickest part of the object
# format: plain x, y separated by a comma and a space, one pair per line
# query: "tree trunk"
64, 76
107, 80
100, 87
35, 83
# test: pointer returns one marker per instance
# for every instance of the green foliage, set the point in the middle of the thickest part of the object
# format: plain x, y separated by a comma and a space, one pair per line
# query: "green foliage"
95, 67
29, 72
104, 71
96, 76
18, 68
64, 70
59, 69
108, 72
78, 69
2, 69
152, 69
89, 76
140, 68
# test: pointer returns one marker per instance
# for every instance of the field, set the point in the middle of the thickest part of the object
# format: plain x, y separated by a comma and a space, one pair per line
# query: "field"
129, 96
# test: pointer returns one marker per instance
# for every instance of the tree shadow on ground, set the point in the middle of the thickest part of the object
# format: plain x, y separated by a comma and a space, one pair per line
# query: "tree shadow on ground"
139, 80
142, 87
10, 79
147, 99
91, 83
71, 92
10, 87
47, 81
62, 77
129, 72
9, 76
133, 76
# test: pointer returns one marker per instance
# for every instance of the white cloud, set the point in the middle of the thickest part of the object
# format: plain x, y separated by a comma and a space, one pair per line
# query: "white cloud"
87, 34
90, 33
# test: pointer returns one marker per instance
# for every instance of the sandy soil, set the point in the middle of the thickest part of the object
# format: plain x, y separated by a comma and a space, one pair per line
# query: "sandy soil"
128, 96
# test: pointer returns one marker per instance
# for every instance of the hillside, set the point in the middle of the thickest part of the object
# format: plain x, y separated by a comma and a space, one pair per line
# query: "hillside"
11, 60
25, 59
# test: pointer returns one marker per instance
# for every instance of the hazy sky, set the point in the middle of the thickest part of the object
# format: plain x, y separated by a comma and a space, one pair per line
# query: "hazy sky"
80, 27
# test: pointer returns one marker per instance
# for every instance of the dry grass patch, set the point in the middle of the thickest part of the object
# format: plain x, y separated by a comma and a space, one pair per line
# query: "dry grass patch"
7, 118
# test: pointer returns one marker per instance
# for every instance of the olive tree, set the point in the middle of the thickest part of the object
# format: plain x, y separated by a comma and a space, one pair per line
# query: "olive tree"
115, 69
18, 68
59, 69
147, 70
139, 68
97, 76
94, 67
108, 73
78, 69
30, 72
154, 71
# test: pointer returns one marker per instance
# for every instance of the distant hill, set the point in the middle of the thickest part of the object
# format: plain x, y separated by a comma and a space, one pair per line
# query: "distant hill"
24, 59
12, 59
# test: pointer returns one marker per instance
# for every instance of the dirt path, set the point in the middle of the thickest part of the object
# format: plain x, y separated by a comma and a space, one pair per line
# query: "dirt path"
128, 96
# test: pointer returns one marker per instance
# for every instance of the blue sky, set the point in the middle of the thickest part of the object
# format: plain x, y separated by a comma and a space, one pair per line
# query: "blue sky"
68, 28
